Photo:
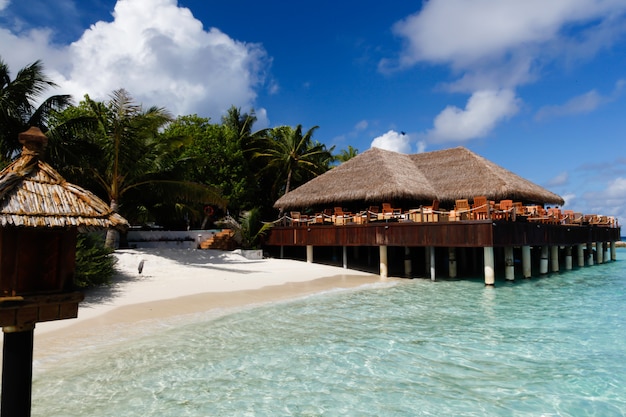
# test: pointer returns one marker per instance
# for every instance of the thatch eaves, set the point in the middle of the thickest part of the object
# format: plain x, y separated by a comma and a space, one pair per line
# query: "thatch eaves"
373, 176
378, 175
33, 194
459, 173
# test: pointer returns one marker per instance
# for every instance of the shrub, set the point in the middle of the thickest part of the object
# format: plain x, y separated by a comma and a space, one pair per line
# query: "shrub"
94, 262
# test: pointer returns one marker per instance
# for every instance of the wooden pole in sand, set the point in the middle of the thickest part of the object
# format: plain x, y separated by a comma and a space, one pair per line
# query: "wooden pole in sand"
383, 261
17, 372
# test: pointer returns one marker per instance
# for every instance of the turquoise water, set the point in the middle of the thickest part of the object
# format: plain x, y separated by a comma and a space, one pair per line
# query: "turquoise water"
552, 346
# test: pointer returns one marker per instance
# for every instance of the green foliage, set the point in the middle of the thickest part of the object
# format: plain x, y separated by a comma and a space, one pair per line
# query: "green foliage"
347, 154
17, 105
292, 158
217, 157
249, 229
123, 156
94, 262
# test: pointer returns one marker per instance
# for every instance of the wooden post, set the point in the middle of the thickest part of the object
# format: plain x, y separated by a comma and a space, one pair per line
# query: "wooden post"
599, 253
282, 252
309, 254
407, 262
613, 251
581, 254
452, 267
345, 257
383, 261
543, 261
509, 264
554, 258
432, 263
526, 262
568, 258
490, 277
17, 372
589, 254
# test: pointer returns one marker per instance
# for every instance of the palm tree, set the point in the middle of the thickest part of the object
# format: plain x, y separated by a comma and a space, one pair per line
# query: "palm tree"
128, 155
293, 155
347, 154
17, 105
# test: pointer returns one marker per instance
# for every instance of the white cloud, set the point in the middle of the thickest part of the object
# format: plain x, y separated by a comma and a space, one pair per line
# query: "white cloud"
463, 33
584, 103
158, 52
617, 189
4, 4
483, 111
360, 126
559, 180
393, 141
498, 45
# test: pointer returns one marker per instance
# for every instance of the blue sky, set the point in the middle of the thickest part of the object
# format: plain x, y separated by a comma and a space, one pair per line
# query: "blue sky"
537, 87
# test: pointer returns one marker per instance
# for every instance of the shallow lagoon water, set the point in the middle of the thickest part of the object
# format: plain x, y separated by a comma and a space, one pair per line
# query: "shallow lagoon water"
550, 346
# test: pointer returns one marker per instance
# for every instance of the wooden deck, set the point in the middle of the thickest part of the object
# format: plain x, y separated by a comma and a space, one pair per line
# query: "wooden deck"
471, 233
435, 247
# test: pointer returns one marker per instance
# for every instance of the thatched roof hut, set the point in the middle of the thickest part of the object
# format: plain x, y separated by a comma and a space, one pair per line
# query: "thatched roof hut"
33, 194
378, 175
375, 175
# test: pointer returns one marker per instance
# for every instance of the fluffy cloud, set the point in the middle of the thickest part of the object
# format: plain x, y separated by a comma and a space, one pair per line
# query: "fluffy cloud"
465, 33
483, 111
494, 45
584, 103
393, 141
559, 180
158, 52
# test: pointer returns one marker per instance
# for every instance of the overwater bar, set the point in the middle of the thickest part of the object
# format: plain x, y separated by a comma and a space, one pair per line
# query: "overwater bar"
443, 213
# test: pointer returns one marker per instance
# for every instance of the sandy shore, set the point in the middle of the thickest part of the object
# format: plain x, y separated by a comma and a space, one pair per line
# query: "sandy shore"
176, 283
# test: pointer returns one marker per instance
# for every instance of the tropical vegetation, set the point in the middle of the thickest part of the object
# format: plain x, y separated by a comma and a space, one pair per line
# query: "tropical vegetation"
183, 172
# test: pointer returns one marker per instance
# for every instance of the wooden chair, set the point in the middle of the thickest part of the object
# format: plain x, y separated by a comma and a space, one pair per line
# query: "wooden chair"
538, 214
429, 213
298, 219
324, 216
480, 208
554, 215
568, 217
389, 212
341, 217
372, 213
506, 209
462, 209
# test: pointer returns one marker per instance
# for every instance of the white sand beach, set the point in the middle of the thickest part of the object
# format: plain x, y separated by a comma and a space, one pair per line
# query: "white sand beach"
180, 282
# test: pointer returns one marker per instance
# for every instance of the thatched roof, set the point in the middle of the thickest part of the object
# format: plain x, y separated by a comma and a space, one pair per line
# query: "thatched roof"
374, 175
378, 175
33, 194
460, 173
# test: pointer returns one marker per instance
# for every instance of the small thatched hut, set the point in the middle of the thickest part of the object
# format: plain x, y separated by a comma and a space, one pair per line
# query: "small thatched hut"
33, 194
378, 175
40, 216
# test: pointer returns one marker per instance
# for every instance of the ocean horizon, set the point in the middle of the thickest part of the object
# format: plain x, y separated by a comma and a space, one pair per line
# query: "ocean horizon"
548, 346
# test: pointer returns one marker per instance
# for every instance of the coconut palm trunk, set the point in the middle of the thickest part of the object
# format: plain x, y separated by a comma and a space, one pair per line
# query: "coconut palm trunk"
113, 235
